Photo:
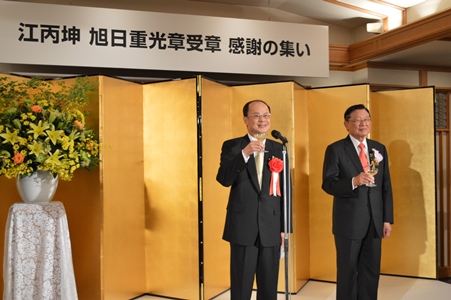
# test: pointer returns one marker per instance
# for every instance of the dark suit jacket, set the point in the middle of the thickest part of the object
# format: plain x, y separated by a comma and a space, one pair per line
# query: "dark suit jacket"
350, 208
250, 212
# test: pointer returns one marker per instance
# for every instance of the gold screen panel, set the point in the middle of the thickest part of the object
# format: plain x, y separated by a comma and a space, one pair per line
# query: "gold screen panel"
82, 197
300, 254
123, 260
216, 128
280, 97
404, 121
326, 107
171, 189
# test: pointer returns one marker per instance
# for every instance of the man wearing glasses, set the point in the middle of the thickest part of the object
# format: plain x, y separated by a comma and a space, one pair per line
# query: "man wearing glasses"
356, 174
254, 223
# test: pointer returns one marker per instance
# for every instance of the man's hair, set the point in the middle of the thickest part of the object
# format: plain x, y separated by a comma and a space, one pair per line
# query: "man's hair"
246, 106
349, 111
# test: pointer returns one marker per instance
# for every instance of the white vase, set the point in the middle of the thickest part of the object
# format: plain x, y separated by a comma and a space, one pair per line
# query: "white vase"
40, 187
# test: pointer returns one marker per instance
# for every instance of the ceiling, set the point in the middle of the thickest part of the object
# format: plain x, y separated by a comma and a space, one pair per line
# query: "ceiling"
332, 12
350, 14
353, 14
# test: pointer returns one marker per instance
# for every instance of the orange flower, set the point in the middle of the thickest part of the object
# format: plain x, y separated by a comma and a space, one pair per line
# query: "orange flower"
18, 158
36, 109
78, 124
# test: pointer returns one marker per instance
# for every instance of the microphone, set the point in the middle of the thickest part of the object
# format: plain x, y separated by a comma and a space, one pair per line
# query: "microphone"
278, 135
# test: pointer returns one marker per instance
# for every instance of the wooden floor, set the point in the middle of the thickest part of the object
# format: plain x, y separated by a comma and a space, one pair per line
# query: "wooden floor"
390, 288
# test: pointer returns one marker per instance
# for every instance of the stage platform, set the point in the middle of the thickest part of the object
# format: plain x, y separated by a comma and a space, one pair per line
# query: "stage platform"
390, 288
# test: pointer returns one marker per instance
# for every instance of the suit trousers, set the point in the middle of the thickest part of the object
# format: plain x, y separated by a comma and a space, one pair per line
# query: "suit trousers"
249, 261
358, 266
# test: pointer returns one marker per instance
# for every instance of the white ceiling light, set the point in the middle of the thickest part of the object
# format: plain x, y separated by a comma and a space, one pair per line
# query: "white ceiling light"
404, 3
376, 27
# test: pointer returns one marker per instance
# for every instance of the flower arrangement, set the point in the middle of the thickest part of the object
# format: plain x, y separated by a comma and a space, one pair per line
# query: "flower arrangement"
375, 158
42, 127
275, 166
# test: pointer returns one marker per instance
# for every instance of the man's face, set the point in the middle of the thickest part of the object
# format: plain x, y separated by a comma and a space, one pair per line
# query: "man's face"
359, 124
258, 119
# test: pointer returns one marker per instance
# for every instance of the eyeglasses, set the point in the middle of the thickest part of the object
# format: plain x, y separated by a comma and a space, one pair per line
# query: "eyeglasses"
258, 116
366, 121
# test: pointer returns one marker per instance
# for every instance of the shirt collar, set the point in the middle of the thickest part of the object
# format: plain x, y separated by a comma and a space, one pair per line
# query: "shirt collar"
356, 142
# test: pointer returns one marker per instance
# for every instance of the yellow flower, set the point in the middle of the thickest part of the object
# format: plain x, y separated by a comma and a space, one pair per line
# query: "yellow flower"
54, 159
53, 115
37, 129
10, 137
54, 135
36, 148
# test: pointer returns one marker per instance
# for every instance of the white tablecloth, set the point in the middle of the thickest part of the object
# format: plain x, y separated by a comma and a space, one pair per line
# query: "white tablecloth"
38, 256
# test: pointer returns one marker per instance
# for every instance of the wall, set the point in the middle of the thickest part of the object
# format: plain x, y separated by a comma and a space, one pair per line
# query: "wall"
440, 79
426, 8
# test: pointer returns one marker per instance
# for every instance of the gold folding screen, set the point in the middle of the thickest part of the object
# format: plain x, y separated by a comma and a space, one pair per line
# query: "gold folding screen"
105, 207
326, 107
300, 162
171, 185
404, 121
285, 99
122, 190
184, 203
216, 127
150, 219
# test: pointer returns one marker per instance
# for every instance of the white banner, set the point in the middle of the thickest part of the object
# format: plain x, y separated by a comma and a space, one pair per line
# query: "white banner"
55, 35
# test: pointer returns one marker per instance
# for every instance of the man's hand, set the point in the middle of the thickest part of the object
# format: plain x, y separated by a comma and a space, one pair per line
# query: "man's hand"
362, 179
254, 146
387, 230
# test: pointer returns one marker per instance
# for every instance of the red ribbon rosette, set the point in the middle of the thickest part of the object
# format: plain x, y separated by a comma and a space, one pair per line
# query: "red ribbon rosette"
275, 166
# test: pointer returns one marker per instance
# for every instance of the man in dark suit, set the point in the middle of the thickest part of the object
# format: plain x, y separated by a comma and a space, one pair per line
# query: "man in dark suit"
254, 223
362, 215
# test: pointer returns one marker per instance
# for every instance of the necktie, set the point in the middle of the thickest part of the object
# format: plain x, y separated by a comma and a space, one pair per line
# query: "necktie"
362, 157
259, 165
